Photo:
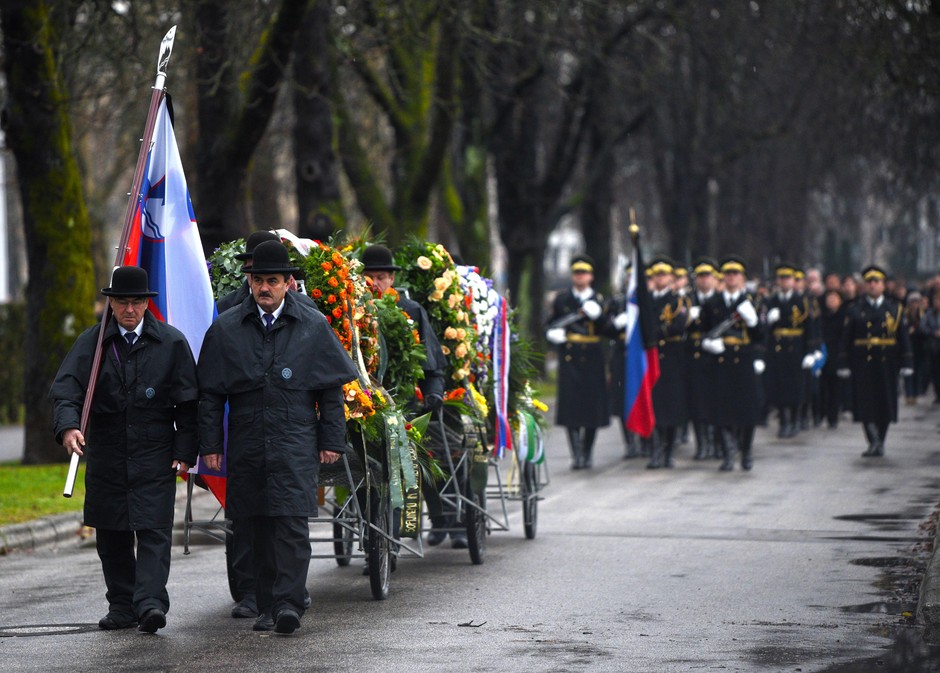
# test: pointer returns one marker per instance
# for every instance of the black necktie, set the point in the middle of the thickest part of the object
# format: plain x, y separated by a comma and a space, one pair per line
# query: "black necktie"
268, 321
131, 337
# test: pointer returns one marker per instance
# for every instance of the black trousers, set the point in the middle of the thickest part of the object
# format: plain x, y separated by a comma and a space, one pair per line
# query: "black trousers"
136, 583
281, 557
243, 571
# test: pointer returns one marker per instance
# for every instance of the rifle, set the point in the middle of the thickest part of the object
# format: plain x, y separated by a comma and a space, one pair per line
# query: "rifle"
722, 327
566, 320
133, 204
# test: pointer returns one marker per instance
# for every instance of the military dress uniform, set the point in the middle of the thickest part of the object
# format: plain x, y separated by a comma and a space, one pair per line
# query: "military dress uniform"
700, 366
735, 406
875, 348
670, 404
615, 329
789, 347
582, 396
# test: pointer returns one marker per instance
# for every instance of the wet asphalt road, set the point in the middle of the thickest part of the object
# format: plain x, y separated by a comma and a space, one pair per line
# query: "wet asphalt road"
808, 563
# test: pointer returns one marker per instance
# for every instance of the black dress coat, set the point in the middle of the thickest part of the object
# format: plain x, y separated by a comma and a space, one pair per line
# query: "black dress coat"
875, 345
582, 393
284, 390
142, 419
735, 399
670, 394
789, 340
701, 373
617, 364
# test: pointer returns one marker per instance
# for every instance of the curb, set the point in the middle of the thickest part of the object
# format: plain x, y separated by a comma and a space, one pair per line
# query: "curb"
41, 532
928, 607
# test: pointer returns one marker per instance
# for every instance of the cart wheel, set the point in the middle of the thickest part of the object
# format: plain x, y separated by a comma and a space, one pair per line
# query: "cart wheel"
378, 549
229, 555
530, 503
476, 528
342, 541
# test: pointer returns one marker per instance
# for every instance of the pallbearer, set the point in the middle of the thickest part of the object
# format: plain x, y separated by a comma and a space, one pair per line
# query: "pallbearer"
875, 349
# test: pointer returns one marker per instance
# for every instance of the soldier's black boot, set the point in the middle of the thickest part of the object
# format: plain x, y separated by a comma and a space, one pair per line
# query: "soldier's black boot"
631, 442
746, 442
871, 435
786, 420
587, 447
730, 443
574, 443
669, 443
656, 450
882, 434
713, 442
701, 441
804, 417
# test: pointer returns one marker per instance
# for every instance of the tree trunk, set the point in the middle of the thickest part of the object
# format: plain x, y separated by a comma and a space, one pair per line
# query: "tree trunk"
61, 292
319, 207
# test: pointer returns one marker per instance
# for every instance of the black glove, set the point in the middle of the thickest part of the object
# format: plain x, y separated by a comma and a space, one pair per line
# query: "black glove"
433, 402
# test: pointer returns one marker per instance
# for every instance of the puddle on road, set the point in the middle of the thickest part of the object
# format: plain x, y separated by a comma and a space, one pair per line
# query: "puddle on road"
908, 654
883, 608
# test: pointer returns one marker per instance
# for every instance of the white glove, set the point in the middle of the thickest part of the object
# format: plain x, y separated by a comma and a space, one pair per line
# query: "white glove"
759, 367
808, 361
773, 315
817, 355
713, 346
695, 312
746, 310
844, 373
620, 320
907, 371
556, 335
591, 309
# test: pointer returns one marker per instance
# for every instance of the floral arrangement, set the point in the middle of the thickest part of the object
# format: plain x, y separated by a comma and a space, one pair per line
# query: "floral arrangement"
328, 281
484, 308
225, 271
361, 402
403, 371
429, 273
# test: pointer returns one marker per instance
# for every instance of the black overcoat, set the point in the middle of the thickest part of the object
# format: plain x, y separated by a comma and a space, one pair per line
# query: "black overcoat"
789, 340
735, 399
284, 390
700, 367
582, 379
142, 419
875, 345
670, 394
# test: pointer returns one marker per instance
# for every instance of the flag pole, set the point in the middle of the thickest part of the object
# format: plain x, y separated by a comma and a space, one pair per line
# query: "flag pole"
133, 203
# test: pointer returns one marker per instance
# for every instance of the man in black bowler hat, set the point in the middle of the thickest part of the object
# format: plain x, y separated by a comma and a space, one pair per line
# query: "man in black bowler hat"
141, 435
281, 368
237, 296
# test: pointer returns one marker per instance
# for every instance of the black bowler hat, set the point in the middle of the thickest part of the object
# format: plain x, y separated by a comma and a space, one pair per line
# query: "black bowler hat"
129, 281
378, 258
252, 242
270, 257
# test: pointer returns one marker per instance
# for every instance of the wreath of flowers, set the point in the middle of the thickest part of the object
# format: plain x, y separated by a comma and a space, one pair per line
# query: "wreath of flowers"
429, 273
225, 271
405, 368
484, 308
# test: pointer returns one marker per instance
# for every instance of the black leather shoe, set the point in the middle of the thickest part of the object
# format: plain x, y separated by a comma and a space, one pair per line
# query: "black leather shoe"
458, 541
435, 537
113, 622
151, 621
246, 608
264, 622
287, 621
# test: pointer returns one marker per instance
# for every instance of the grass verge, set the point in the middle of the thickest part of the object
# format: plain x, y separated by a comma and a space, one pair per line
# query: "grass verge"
32, 491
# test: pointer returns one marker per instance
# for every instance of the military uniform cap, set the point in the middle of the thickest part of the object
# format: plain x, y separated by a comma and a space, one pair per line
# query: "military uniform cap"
660, 264
252, 242
681, 271
705, 265
784, 269
583, 263
874, 271
799, 273
733, 263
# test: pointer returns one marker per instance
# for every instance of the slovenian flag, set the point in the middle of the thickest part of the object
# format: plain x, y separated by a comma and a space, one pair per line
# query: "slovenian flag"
165, 240
642, 356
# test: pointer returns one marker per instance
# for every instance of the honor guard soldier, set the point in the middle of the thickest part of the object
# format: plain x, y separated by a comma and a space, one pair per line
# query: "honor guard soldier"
700, 374
669, 394
732, 334
875, 348
615, 319
814, 336
789, 351
575, 326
